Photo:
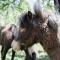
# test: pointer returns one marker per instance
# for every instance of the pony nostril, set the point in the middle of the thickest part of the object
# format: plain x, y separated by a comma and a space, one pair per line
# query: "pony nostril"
22, 46
34, 55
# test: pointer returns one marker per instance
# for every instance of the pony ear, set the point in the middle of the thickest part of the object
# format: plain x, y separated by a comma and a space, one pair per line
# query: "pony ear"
29, 15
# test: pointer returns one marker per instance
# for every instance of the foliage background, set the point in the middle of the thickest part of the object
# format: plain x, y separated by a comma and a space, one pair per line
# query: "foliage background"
10, 11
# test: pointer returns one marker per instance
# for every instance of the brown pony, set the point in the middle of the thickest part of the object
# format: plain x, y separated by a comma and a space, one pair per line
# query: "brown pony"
7, 34
37, 28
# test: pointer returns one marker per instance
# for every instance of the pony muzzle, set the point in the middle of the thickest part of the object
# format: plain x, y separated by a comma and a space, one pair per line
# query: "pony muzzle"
15, 45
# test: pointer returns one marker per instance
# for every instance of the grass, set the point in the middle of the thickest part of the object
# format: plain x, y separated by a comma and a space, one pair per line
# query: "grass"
20, 55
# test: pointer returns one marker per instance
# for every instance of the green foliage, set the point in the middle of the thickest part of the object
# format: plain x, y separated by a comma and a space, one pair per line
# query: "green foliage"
4, 4
10, 10
22, 6
48, 5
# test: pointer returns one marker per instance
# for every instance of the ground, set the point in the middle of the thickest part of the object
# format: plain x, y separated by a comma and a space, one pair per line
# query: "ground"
20, 55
